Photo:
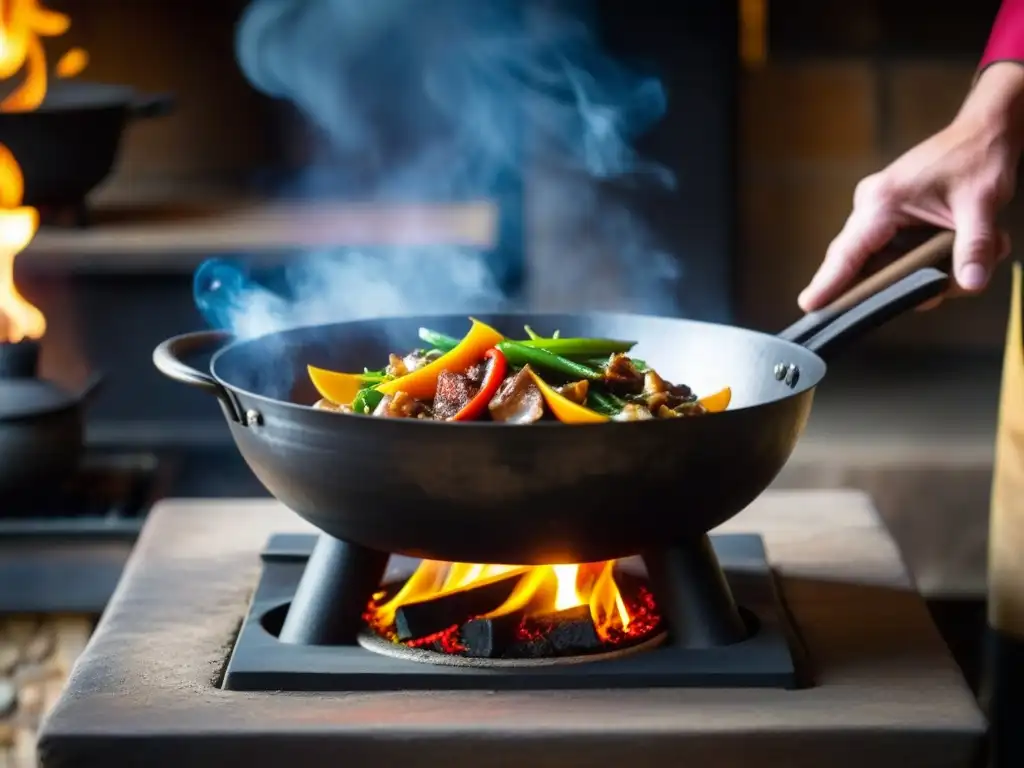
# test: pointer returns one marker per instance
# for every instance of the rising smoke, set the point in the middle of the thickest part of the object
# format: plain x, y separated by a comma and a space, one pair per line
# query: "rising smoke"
423, 100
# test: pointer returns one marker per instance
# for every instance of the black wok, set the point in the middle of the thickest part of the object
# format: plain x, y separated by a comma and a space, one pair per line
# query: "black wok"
69, 144
548, 492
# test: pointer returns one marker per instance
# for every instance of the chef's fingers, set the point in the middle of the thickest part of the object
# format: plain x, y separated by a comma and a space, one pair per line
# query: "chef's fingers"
1004, 246
977, 245
867, 231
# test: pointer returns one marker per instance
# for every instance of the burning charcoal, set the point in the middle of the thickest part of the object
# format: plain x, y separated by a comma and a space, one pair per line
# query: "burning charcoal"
565, 633
490, 638
427, 617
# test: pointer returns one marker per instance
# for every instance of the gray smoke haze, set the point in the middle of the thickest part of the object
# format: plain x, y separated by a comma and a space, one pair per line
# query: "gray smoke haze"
423, 100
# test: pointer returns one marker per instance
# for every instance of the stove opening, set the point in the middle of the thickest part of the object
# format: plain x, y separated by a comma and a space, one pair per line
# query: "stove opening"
514, 613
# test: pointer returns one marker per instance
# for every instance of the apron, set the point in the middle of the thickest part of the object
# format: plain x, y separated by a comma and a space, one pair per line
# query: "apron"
1005, 682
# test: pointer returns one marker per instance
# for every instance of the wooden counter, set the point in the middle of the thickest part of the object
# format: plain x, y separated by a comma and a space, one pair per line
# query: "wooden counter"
888, 692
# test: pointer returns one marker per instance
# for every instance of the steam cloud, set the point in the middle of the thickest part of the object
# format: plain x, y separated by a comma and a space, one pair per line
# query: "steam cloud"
423, 100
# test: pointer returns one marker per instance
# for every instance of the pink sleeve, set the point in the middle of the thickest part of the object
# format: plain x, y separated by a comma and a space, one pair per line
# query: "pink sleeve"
1006, 42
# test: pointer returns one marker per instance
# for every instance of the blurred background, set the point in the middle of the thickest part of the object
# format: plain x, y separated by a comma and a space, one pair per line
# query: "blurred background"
772, 112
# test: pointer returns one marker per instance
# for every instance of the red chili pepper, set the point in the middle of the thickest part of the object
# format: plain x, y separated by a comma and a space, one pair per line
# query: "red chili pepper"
492, 380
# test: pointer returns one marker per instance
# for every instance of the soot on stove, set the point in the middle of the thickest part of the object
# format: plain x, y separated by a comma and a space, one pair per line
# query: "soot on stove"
515, 613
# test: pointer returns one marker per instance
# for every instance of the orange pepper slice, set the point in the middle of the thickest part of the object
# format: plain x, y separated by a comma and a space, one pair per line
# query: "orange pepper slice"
565, 410
422, 383
338, 388
717, 402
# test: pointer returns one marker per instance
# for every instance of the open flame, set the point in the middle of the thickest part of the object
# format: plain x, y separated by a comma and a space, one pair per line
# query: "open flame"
19, 320
22, 25
541, 590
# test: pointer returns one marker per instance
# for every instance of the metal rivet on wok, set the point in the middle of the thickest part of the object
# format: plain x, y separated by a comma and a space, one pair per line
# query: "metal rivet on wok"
792, 375
780, 371
253, 418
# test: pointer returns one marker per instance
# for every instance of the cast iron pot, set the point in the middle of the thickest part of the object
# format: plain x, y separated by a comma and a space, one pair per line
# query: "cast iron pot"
69, 144
547, 492
41, 427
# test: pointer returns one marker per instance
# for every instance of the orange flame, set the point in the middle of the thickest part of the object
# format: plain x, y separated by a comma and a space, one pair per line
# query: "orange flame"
22, 25
541, 590
19, 320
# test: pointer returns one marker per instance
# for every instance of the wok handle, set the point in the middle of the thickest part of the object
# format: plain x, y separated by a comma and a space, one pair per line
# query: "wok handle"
167, 359
905, 284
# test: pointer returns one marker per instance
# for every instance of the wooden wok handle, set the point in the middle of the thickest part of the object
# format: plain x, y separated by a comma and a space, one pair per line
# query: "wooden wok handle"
933, 252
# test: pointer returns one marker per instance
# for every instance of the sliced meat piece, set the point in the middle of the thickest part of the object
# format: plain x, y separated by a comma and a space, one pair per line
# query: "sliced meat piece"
690, 408
396, 366
327, 405
575, 391
622, 376
400, 366
476, 374
633, 412
659, 393
454, 390
653, 383
518, 400
401, 405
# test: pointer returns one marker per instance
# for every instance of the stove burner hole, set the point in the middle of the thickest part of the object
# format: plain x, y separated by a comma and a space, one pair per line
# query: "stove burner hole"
517, 618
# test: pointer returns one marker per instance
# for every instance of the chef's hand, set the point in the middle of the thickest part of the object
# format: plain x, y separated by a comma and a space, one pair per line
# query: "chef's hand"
958, 179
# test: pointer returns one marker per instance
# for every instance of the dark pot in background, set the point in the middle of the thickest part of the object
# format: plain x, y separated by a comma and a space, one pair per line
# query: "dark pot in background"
41, 426
69, 144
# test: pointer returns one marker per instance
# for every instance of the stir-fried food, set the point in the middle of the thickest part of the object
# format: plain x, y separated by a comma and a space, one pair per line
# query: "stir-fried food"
488, 377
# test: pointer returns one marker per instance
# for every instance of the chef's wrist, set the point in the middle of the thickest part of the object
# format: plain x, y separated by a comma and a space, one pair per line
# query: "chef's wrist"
996, 102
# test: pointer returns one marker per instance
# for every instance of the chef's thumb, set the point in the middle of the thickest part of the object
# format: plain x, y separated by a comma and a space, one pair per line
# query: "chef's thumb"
976, 245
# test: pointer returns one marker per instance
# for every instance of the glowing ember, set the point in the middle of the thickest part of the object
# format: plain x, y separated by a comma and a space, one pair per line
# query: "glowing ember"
22, 25
539, 594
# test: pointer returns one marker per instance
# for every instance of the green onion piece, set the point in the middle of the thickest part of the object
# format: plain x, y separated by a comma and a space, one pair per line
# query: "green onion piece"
530, 332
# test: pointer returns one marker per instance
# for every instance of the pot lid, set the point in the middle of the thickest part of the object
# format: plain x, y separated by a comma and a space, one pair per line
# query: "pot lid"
29, 398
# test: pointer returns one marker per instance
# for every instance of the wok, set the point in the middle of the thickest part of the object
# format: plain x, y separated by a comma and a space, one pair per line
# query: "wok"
69, 144
548, 492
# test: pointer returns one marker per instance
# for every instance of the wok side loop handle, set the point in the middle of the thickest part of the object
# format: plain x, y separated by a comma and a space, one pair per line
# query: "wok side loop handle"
874, 300
167, 358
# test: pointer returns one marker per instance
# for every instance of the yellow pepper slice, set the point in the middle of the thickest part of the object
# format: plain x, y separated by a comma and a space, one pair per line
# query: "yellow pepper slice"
718, 401
338, 388
422, 383
565, 410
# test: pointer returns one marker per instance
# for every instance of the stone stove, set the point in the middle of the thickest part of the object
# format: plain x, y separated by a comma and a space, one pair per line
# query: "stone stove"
150, 690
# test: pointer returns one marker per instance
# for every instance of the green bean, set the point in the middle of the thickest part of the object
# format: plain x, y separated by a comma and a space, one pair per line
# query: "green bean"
580, 347
438, 340
518, 353
603, 402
